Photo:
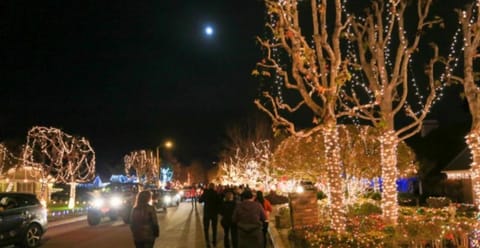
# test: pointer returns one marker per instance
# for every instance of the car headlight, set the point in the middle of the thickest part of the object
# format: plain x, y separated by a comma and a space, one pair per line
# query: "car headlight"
181, 193
167, 199
115, 201
98, 202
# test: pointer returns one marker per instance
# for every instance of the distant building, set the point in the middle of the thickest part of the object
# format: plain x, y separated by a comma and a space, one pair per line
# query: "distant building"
26, 179
428, 126
459, 179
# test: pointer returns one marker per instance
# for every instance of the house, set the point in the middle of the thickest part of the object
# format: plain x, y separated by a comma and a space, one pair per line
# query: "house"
26, 179
459, 181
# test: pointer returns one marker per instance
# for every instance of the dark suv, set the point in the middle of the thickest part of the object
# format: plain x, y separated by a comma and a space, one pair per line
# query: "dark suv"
23, 220
114, 201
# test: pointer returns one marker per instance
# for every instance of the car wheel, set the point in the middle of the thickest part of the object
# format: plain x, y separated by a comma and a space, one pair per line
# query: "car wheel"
93, 218
33, 236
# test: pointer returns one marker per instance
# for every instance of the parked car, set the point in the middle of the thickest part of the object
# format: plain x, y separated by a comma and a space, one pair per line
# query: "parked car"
23, 220
163, 199
114, 201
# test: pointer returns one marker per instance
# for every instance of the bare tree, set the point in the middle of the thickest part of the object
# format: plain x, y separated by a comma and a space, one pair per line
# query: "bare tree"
384, 50
250, 165
470, 26
144, 163
66, 158
313, 71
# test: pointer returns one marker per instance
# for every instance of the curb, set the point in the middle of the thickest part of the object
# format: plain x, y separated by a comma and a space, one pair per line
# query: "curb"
275, 235
277, 241
66, 221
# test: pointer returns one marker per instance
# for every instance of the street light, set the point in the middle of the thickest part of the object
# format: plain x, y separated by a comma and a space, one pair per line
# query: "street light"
167, 144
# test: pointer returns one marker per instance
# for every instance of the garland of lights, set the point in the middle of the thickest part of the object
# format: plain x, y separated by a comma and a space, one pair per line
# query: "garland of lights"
63, 157
3, 157
387, 67
470, 22
144, 164
249, 166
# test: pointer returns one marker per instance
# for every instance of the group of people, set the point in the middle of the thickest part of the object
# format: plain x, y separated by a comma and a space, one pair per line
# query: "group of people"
244, 217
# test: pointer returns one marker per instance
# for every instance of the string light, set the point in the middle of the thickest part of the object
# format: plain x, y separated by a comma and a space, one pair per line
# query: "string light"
145, 165
65, 158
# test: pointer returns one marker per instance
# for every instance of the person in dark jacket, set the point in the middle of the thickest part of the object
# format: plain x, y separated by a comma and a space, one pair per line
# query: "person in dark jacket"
249, 217
229, 228
143, 221
211, 207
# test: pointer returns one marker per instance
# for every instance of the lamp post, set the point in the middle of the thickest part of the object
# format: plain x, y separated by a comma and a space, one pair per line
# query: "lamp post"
168, 145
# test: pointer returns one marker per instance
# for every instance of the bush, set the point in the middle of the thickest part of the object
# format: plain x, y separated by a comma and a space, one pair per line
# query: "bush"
377, 196
321, 195
366, 209
438, 202
407, 199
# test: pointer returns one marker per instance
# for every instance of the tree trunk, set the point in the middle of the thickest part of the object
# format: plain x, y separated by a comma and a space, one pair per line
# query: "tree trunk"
388, 160
71, 201
473, 141
335, 181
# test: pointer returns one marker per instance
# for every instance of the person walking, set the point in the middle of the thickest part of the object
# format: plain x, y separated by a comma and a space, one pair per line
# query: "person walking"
249, 217
229, 228
267, 208
193, 196
143, 221
211, 205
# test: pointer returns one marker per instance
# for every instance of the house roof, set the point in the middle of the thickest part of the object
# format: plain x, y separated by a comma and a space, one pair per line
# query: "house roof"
461, 162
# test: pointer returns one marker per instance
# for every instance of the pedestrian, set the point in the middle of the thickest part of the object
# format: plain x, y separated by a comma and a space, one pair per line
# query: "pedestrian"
229, 228
211, 206
193, 196
249, 217
267, 207
143, 221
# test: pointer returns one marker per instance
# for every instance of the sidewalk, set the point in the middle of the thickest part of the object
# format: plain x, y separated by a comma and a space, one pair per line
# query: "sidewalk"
279, 237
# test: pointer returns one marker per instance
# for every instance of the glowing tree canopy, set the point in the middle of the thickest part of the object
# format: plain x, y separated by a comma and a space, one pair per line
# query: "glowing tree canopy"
249, 166
66, 158
298, 157
144, 163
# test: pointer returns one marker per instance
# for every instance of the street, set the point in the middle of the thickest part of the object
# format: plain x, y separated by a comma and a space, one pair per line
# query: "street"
180, 227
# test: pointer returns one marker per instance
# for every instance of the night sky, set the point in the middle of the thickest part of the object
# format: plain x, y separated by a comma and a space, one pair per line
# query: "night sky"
130, 74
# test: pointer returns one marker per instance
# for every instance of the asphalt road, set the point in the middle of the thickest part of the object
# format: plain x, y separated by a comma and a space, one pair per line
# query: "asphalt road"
179, 228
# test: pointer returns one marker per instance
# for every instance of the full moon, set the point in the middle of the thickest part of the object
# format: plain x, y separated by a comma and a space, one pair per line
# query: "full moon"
209, 30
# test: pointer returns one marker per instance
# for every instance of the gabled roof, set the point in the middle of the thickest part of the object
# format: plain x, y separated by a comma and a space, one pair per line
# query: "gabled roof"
461, 162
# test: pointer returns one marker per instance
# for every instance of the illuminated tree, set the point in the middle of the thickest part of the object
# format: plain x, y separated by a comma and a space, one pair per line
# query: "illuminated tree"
383, 58
299, 158
66, 158
470, 28
3, 157
313, 73
249, 166
143, 162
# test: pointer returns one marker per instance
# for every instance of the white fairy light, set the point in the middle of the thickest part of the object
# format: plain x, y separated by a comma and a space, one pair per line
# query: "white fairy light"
145, 165
60, 157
